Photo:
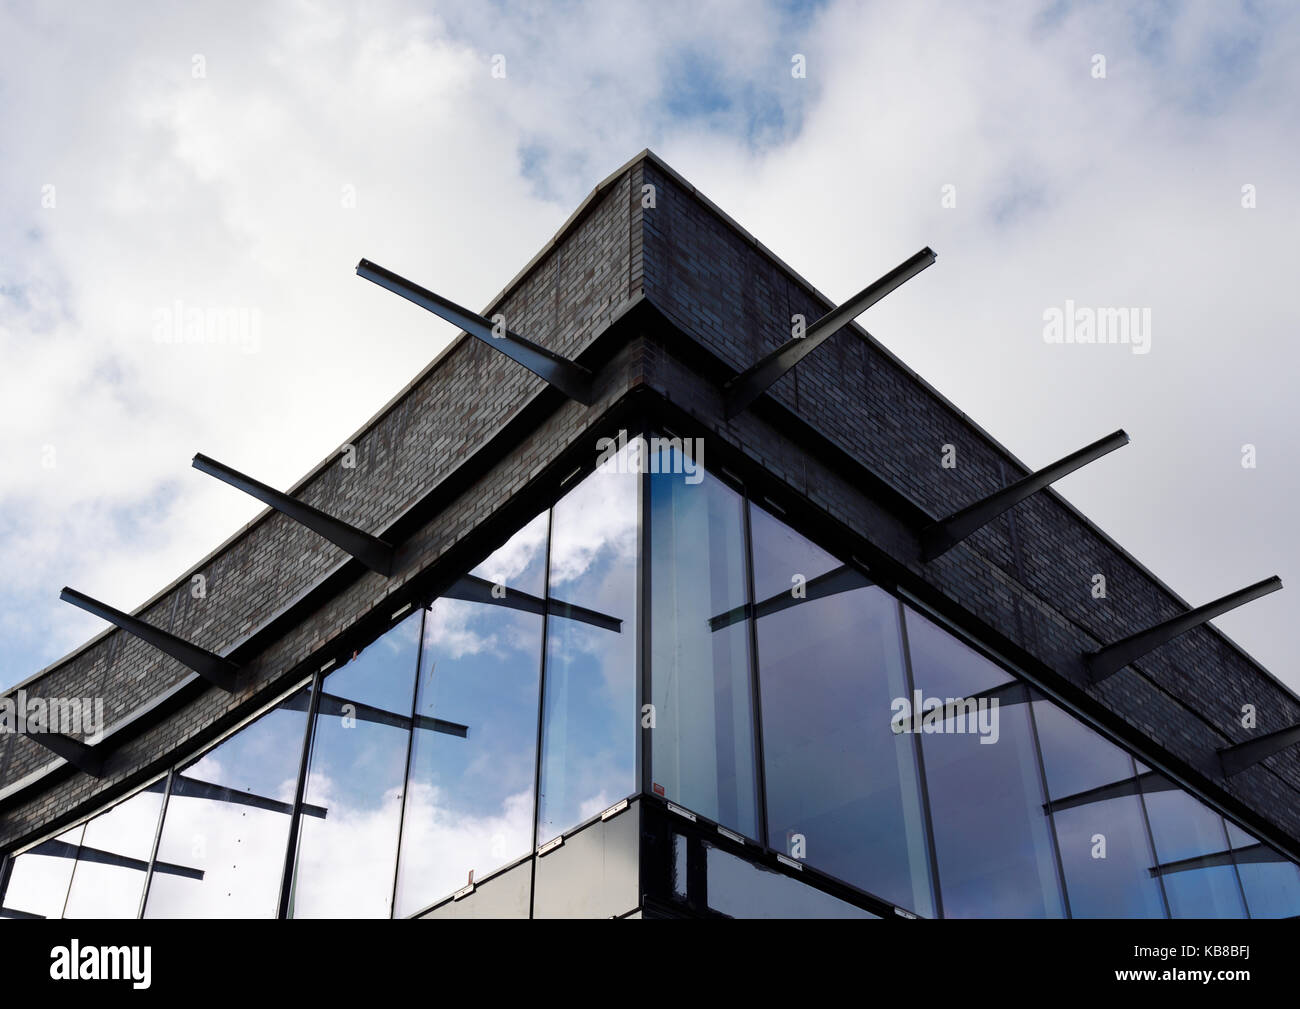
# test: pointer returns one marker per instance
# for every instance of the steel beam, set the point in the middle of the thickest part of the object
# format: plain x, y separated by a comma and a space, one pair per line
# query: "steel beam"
80, 755
1111, 658
746, 387
830, 583
1235, 759
939, 537
213, 668
374, 553
473, 589
569, 377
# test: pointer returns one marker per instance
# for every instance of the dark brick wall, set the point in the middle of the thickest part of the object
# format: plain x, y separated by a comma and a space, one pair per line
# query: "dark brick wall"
1023, 580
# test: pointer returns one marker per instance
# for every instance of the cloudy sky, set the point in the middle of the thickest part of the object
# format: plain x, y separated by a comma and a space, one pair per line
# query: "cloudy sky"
240, 158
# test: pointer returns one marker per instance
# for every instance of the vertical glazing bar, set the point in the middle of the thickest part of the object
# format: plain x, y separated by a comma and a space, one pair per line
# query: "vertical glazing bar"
755, 696
909, 682
541, 711
1047, 796
410, 747
1151, 838
157, 840
644, 742
291, 846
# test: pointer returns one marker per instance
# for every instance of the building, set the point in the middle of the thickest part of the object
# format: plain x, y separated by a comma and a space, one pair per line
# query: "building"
603, 629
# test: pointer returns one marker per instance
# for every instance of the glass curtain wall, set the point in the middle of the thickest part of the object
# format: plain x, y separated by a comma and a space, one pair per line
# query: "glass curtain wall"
421, 750
789, 700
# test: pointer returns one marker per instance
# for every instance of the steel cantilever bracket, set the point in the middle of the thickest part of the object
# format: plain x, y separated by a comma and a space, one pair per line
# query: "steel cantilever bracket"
212, 667
569, 377
374, 553
746, 387
1111, 658
939, 537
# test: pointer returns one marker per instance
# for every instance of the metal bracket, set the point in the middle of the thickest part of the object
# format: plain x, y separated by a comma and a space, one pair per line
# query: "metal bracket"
939, 537
1235, 759
212, 667
374, 553
746, 387
569, 377
1113, 657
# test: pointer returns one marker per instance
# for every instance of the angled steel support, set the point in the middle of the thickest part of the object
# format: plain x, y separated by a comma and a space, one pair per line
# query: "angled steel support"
62, 849
938, 537
830, 583
1253, 854
213, 668
1145, 783
1113, 657
1235, 759
371, 551
331, 704
474, 589
195, 789
746, 387
341, 707
80, 755
568, 376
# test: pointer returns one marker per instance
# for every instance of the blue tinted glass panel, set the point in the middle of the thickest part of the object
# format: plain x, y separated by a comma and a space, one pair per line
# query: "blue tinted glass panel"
226, 826
1075, 758
1272, 887
991, 835
842, 790
1183, 828
347, 858
382, 674
781, 554
703, 739
1210, 892
589, 709
469, 806
521, 562
1106, 857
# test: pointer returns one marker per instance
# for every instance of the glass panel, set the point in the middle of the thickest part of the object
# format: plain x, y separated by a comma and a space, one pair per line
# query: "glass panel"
1271, 882
383, 674
589, 712
1183, 828
842, 790
744, 890
1272, 887
110, 884
1238, 838
469, 807
521, 562
1075, 758
780, 554
227, 822
1106, 857
38, 882
703, 739
991, 836
347, 858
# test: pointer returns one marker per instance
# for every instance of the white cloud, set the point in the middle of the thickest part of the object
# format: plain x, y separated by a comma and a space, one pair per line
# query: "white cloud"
224, 192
